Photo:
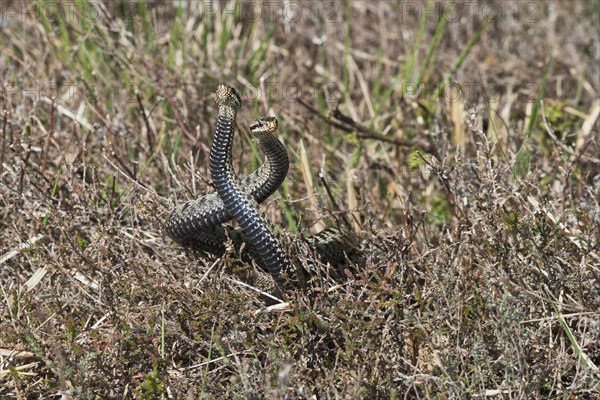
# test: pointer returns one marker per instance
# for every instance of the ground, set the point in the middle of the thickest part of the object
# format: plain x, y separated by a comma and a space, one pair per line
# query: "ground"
460, 138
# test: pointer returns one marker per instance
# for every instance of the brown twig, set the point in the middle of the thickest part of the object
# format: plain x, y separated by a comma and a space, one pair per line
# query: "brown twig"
446, 184
27, 155
332, 197
347, 124
149, 130
4, 122
48, 137
136, 182
95, 106
178, 117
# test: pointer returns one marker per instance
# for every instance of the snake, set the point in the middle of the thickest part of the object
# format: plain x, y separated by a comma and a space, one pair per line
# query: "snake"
188, 221
200, 224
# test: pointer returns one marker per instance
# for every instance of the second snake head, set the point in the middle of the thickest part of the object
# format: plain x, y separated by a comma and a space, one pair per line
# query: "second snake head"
263, 126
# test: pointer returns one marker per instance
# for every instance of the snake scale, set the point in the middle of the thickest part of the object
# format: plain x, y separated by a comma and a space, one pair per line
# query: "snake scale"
199, 223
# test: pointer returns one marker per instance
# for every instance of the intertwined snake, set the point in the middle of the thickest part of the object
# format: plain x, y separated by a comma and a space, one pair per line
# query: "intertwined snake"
198, 223
195, 220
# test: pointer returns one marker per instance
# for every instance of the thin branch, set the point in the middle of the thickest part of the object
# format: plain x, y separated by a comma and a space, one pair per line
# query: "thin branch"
149, 130
347, 124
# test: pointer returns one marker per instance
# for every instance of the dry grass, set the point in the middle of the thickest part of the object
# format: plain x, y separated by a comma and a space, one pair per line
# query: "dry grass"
485, 200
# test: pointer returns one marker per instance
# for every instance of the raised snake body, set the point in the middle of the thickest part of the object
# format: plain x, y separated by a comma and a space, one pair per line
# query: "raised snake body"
191, 218
198, 223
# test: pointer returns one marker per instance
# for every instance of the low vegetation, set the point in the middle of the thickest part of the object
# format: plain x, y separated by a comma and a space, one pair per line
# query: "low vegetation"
460, 138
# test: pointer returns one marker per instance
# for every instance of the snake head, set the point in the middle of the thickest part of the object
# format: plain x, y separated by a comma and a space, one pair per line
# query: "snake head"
227, 98
264, 125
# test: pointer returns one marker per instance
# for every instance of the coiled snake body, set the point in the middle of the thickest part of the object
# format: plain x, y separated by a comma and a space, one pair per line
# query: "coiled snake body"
189, 219
198, 223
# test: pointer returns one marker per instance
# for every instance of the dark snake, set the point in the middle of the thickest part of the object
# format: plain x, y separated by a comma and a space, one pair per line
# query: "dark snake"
199, 223
194, 218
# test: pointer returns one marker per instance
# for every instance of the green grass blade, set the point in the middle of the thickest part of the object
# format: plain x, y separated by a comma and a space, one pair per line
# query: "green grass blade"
583, 358
459, 61
536, 107
52, 194
425, 70
403, 77
523, 157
